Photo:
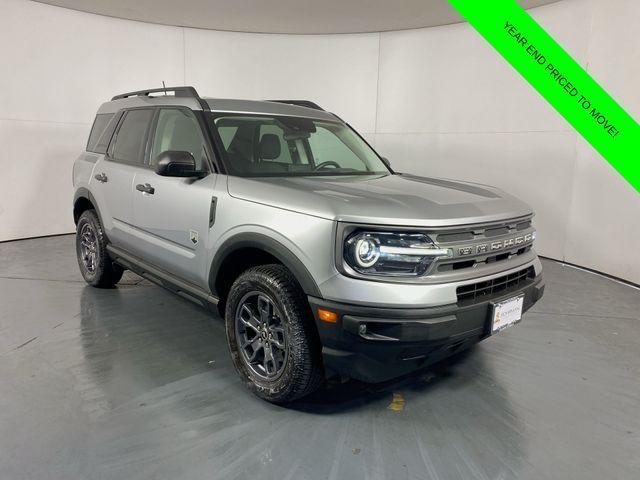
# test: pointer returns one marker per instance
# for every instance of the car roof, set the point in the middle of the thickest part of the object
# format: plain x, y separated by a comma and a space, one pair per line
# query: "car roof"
219, 105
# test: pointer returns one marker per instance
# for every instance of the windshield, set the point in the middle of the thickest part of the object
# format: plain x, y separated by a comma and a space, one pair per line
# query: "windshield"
286, 146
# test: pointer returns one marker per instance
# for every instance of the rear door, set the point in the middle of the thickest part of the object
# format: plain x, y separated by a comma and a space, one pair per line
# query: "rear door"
173, 222
112, 182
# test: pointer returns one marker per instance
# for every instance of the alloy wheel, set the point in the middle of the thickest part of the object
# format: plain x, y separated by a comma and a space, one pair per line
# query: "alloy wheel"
89, 247
261, 335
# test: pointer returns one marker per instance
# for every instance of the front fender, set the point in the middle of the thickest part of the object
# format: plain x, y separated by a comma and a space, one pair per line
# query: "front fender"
269, 245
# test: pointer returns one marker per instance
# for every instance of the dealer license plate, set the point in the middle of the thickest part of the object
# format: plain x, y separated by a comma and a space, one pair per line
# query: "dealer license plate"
506, 313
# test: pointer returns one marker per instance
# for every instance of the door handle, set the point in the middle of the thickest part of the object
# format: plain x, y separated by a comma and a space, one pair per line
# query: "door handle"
146, 188
101, 177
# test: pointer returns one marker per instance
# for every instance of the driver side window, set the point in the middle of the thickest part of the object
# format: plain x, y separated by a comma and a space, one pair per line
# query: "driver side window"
178, 129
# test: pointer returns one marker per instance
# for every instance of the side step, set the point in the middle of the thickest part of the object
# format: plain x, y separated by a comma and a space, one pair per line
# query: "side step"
162, 277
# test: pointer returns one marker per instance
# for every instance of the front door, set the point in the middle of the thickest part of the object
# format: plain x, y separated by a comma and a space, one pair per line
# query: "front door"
172, 215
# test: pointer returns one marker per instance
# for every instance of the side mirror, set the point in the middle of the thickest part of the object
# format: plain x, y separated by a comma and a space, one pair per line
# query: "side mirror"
386, 161
174, 163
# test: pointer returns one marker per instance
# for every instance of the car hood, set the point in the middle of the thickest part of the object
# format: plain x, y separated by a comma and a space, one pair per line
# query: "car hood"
383, 200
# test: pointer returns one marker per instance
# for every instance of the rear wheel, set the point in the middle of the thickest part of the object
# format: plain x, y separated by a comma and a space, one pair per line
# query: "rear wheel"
91, 249
271, 335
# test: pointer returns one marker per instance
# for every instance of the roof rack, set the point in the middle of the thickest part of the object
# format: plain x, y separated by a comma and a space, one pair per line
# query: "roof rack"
177, 91
300, 103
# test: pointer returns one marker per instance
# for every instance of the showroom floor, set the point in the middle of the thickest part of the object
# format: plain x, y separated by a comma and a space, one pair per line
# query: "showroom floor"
136, 383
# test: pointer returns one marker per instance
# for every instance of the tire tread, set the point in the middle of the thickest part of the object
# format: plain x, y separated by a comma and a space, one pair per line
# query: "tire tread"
108, 273
308, 374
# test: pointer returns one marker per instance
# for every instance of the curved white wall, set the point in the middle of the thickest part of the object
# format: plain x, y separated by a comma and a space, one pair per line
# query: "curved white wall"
436, 101
448, 105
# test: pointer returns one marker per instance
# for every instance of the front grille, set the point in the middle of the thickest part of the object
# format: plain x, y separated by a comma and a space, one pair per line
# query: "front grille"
495, 286
476, 246
444, 266
480, 233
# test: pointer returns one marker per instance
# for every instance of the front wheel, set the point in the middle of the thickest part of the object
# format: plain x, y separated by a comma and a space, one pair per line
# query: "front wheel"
271, 335
91, 249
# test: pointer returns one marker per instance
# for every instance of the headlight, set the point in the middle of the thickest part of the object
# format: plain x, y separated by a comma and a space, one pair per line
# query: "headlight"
366, 251
386, 253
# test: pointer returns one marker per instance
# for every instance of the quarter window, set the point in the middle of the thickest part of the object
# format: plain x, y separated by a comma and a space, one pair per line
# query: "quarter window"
101, 132
130, 140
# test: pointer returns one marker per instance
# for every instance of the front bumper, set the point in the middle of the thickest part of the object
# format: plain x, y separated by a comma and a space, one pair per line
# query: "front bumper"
375, 344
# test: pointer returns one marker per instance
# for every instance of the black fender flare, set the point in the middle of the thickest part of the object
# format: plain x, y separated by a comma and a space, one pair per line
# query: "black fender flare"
83, 192
272, 247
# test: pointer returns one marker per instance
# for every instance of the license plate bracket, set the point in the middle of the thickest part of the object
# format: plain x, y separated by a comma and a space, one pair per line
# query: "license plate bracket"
506, 313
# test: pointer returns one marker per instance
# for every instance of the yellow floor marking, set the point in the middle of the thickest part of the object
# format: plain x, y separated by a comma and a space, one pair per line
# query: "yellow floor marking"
397, 403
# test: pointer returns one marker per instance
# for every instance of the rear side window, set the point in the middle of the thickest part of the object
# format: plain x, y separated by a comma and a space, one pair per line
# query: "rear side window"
129, 142
101, 132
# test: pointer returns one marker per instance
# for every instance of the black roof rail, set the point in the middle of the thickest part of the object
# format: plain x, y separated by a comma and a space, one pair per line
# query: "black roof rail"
177, 91
300, 103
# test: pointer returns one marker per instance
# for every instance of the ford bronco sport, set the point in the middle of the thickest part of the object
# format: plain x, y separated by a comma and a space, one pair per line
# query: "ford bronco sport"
324, 262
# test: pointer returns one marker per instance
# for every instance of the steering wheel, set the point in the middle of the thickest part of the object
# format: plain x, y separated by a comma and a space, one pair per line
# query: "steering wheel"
327, 164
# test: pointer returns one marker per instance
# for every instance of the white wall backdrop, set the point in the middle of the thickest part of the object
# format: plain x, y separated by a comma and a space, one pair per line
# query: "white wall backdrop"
449, 106
436, 101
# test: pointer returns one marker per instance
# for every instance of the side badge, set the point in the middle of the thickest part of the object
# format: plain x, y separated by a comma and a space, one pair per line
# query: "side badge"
193, 236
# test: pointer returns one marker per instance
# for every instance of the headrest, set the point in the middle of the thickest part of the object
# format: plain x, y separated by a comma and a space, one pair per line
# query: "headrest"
269, 146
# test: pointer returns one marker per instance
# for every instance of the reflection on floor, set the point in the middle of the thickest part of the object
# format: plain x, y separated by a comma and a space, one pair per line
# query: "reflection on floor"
135, 383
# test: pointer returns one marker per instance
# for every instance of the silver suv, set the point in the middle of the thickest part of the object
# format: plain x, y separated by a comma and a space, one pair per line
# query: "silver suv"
324, 262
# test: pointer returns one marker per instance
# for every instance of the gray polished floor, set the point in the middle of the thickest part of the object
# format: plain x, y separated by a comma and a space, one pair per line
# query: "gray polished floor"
134, 383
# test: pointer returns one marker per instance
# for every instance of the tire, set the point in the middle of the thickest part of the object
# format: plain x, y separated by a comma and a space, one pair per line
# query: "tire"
294, 338
96, 266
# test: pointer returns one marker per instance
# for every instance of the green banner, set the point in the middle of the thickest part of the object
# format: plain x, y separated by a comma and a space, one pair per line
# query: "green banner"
560, 80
